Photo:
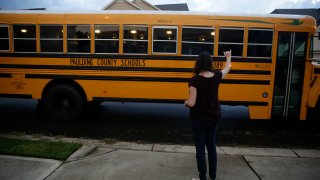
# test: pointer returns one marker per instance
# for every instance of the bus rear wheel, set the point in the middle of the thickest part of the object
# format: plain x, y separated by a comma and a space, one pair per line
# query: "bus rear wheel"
63, 102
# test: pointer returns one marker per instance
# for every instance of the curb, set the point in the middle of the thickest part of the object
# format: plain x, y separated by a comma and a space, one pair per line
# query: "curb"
82, 152
90, 145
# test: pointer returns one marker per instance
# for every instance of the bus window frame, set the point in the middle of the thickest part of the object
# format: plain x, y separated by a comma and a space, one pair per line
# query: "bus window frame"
258, 44
243, 40
176, 40
33, 39
94, 27
9, 44
193, 42
51, 39
132, 40
311, 44
89, 39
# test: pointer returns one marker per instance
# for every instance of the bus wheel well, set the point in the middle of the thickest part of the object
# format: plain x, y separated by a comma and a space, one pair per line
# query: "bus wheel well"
70, 82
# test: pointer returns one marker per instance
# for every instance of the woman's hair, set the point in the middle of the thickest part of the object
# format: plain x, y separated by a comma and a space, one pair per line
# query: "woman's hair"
203, 63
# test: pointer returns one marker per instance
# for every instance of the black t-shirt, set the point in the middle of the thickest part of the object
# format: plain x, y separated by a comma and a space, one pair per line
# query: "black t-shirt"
207, 105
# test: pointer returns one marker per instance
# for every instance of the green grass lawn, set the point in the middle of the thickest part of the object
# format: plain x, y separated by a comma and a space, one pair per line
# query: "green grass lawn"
37, 148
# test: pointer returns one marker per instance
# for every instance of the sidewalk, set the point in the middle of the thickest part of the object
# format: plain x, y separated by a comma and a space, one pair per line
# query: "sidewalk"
124, 160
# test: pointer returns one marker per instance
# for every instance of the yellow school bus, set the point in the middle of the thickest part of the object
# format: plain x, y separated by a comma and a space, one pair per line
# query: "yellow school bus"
66, 60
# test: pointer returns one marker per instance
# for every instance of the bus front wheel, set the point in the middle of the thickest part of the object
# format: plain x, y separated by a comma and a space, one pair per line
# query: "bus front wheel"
63, 102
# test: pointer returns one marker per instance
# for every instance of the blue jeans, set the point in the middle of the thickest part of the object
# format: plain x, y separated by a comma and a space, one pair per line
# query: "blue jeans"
204, 133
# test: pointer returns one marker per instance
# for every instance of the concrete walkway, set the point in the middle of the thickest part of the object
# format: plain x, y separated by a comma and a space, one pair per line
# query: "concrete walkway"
124, 160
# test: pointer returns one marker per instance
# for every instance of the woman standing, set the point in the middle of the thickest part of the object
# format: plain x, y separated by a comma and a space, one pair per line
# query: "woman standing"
205, 110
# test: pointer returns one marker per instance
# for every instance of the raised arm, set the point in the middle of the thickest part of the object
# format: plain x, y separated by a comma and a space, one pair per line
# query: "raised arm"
227, 67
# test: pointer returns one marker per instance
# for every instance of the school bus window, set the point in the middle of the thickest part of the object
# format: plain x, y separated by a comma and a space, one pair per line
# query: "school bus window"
299, 48
231, 38
51, 38
106, 38
4, 38
135, 39
283, 46
260, 43
78, 38
24, 38
164, 40
197, 39
300, 45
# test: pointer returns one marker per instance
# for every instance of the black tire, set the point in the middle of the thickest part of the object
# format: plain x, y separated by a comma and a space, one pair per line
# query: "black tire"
63, 102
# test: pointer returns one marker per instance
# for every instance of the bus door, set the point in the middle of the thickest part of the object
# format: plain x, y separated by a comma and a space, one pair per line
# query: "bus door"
289, 75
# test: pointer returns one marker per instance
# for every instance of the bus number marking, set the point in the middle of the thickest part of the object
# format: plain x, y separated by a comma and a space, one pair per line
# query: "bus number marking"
218, 64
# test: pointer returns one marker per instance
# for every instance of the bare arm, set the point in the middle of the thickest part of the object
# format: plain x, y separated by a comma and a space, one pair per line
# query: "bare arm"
227, 67
192, 97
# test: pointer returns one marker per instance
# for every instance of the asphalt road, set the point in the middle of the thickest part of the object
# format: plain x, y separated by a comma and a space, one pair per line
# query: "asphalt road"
156, 123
